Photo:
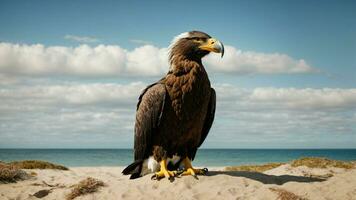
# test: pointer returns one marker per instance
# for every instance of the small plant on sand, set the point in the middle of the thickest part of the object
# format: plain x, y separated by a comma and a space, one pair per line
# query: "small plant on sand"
254, 168
315, 162
286, 195
10, 173
36, 164
86, 186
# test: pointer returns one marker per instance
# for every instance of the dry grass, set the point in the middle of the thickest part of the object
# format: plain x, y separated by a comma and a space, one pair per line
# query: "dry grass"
315, 162
33, 174
312, 162
9, 174
285, 195
36, 164
254, 168
86, 186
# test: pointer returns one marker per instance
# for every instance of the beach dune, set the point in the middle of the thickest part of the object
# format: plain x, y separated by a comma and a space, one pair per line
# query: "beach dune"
282, 182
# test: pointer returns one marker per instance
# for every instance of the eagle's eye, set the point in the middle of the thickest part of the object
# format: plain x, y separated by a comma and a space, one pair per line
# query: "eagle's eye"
197, 39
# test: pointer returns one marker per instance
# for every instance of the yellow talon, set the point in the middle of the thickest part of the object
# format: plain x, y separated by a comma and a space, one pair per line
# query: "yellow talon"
189, 170
164, 172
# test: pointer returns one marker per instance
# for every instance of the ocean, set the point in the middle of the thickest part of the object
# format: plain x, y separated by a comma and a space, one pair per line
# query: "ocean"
204, 157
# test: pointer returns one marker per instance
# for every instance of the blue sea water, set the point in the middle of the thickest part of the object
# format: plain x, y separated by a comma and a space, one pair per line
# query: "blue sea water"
204, 157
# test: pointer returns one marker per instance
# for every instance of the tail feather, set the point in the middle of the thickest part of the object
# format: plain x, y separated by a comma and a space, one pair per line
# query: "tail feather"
134, 169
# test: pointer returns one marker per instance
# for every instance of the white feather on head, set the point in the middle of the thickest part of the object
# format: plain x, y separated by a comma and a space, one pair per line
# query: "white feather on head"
178, 37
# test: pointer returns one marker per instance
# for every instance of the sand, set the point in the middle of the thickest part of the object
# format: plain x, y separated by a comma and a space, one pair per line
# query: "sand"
294, 182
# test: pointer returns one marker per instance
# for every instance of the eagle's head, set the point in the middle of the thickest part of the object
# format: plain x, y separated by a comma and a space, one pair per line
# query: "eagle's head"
194, 45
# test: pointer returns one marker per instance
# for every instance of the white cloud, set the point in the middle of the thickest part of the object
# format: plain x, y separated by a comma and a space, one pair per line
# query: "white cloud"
81, 39
104, 94
284, 118
40, 60
147, 60
72, 94
7, 80
245, 62
113, 61
141, 42
286, 99
308, 98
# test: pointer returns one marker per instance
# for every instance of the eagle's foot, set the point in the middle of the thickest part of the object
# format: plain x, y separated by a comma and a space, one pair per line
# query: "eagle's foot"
189, 170
164, 172
194, 172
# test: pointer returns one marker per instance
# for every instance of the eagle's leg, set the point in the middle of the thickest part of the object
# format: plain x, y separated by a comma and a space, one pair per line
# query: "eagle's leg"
189, 170
164, 172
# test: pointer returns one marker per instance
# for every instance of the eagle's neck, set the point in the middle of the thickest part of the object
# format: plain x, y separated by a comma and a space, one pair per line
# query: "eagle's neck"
182, 65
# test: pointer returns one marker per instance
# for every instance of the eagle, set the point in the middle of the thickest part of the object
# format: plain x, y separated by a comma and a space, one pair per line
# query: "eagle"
174, 115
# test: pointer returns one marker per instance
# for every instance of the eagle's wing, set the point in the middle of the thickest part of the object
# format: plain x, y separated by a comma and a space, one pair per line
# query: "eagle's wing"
148, 115
209, 118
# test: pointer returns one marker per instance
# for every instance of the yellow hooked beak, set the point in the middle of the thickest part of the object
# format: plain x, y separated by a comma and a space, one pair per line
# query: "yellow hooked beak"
213, 45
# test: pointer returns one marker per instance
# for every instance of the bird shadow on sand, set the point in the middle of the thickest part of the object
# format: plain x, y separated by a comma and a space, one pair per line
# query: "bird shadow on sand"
265, 178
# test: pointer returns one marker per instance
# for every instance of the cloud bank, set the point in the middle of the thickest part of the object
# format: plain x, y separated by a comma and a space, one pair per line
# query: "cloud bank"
146, 60
103, 114
98, 94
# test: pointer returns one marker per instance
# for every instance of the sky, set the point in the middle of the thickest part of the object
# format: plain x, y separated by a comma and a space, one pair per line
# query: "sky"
71, 71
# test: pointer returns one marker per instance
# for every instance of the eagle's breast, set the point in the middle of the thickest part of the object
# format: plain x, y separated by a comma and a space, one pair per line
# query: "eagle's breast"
189, 91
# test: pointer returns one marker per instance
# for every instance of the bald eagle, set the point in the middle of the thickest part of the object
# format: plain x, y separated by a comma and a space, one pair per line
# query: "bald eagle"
174, 115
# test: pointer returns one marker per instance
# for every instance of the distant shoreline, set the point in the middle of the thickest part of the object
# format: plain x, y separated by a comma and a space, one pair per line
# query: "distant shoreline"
204, 157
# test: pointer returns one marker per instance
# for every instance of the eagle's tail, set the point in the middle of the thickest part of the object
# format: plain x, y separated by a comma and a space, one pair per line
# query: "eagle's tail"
134, 169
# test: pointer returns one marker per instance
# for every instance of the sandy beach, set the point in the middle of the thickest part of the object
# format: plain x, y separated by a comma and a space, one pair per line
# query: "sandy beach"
283, 182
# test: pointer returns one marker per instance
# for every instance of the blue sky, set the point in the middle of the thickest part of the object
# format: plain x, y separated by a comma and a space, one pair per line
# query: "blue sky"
322, 34
293, 60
